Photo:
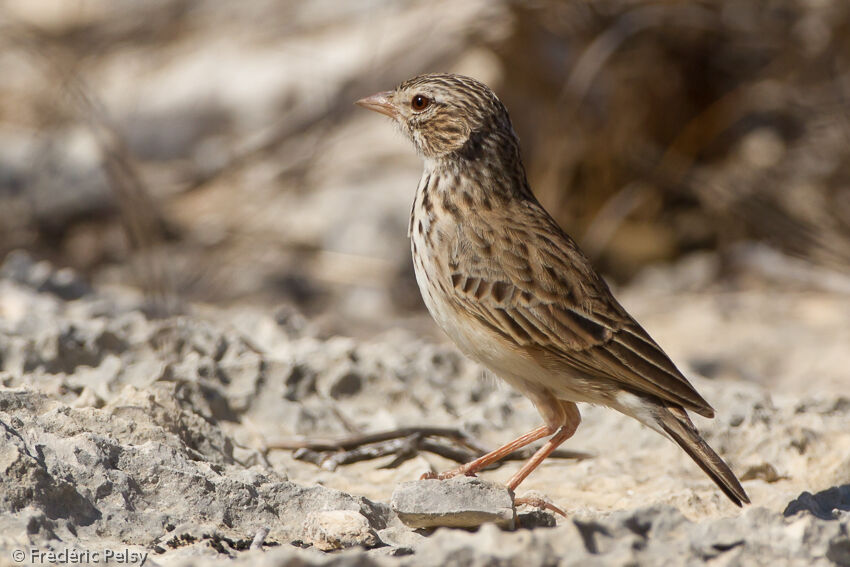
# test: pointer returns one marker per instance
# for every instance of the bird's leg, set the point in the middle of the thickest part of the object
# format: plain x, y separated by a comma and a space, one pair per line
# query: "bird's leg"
562, 435
571, 419
472, 467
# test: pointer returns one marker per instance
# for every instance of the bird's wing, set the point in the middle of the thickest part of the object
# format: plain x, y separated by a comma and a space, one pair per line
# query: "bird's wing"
532, 285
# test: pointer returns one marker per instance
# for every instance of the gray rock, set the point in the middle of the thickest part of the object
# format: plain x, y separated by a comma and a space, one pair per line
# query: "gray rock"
63, 282
401, 536
339, 529
460, 502
172, 467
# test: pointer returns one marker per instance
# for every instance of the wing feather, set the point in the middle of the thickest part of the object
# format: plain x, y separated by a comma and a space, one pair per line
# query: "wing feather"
541, 293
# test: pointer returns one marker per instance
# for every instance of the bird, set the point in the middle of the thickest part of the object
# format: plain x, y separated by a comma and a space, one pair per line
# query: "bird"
514, 291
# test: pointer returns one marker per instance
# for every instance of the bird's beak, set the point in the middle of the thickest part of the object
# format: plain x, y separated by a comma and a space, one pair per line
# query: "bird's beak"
379, 102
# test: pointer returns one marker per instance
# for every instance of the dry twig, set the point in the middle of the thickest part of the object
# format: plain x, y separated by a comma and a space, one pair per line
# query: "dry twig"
405, 443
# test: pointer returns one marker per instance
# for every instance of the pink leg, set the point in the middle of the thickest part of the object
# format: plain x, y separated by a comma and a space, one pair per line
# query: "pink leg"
572, 419
540, 503
472, 467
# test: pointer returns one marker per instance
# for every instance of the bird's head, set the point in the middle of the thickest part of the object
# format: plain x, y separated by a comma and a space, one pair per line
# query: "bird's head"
445, 114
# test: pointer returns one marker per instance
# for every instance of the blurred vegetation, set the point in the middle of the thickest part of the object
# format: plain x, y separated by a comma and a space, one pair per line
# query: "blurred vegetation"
655, 129
650, 129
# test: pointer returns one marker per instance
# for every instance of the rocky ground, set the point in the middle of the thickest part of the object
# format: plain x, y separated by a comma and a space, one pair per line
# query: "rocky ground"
157, 436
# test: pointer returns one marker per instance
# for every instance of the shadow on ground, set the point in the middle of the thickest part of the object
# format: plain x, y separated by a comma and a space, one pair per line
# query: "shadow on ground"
825, 505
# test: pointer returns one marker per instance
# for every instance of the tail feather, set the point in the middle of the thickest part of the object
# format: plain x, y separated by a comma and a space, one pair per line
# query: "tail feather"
676, 423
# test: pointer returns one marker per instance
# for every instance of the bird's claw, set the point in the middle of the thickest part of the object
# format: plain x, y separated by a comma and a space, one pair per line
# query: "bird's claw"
431, 475
540, 503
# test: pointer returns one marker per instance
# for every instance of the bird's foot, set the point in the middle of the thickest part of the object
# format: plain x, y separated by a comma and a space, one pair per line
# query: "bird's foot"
539, 503
445, 475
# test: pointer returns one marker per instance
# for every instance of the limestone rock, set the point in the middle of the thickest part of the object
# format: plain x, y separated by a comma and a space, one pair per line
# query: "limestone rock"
339, 529
459, 502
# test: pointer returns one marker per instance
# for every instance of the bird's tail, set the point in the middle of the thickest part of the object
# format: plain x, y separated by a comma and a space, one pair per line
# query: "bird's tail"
676, 423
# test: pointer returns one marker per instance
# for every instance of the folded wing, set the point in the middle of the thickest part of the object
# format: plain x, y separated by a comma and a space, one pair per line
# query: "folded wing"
536, 289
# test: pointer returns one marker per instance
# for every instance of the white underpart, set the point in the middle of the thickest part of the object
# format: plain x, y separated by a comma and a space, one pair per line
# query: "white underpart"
639, 409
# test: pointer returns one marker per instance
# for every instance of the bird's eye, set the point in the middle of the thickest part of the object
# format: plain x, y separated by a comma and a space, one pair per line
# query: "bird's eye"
420, 102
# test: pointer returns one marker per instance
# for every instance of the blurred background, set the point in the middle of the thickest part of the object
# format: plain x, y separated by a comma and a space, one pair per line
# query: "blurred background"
209, 151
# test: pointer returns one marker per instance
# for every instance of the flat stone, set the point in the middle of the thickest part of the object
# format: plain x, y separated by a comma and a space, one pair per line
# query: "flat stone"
460, 502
